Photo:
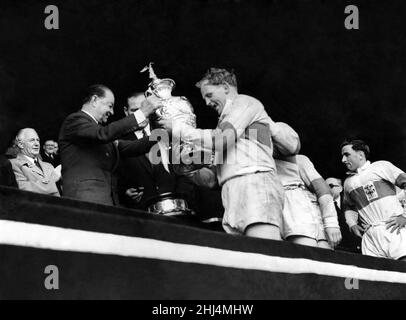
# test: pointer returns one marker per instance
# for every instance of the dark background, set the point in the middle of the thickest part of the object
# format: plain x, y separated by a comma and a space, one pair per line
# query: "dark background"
328, 82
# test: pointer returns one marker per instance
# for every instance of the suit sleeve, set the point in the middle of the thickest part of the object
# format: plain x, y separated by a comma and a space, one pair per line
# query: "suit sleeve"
7, 176
80, 128
132, 148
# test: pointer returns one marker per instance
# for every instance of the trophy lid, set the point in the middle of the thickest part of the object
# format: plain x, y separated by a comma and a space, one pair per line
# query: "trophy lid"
156, 82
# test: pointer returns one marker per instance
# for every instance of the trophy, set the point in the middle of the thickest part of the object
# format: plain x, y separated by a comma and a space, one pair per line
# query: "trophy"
180, 112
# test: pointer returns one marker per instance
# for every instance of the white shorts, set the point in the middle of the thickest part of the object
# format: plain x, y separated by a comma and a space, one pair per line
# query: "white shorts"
252, 198
380, 242
302, 215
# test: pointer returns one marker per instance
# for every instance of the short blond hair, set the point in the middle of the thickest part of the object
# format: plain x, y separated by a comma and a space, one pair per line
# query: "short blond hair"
217, 76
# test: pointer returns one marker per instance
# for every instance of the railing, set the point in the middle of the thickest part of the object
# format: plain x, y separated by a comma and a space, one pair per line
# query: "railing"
57, 248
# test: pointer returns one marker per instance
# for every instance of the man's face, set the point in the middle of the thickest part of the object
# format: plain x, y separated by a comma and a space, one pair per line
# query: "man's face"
134, 103
56, 147
215, 96
49, 146
29, 144
351, 158
104, 107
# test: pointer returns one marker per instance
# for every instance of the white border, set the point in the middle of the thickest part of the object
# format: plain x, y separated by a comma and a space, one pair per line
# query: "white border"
61, 239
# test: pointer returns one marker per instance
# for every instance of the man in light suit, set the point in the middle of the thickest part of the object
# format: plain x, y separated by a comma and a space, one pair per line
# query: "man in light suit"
89, 150
32, 174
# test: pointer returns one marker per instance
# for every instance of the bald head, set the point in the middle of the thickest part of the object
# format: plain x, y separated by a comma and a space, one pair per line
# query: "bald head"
28, 142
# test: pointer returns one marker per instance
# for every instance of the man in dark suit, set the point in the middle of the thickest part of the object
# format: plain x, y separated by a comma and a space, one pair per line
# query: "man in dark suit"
139, 180
48, 153
349, 241
90, 151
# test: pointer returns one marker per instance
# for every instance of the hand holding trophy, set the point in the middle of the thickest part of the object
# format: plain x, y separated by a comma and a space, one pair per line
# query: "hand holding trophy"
172, 112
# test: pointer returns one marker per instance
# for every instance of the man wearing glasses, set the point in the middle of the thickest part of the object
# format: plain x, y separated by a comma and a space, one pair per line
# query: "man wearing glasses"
48, 153
349, 241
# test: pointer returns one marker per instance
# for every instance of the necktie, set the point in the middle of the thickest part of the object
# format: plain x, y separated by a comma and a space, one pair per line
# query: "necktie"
338, 209
37, 164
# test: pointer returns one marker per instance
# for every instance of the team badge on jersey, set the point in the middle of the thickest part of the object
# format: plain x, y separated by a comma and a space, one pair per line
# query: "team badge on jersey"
370, 191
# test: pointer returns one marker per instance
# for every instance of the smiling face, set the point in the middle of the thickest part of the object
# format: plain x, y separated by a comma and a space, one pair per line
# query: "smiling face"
351, 158
49, 146
215, 96
103, 106
29, 143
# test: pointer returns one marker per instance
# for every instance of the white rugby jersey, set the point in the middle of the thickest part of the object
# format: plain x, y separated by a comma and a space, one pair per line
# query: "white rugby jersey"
371, 191
299, 172
255, 134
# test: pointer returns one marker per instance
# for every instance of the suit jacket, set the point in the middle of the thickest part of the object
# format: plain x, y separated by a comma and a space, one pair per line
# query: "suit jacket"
7, 177
31, 178
349, 241
55, 161
138, 171
89, 157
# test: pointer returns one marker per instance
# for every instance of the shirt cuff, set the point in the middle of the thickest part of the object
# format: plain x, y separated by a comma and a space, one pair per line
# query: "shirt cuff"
139, 116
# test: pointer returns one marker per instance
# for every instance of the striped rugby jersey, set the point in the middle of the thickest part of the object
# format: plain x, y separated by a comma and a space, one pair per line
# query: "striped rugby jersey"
371, 191
248, 154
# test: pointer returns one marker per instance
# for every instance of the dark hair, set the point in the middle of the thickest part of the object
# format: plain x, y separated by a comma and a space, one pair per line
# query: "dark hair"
136, 94
98, 90
357, 145
217, 76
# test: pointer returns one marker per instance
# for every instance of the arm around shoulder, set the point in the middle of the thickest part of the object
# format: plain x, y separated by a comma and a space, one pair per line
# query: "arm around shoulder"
286, 140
